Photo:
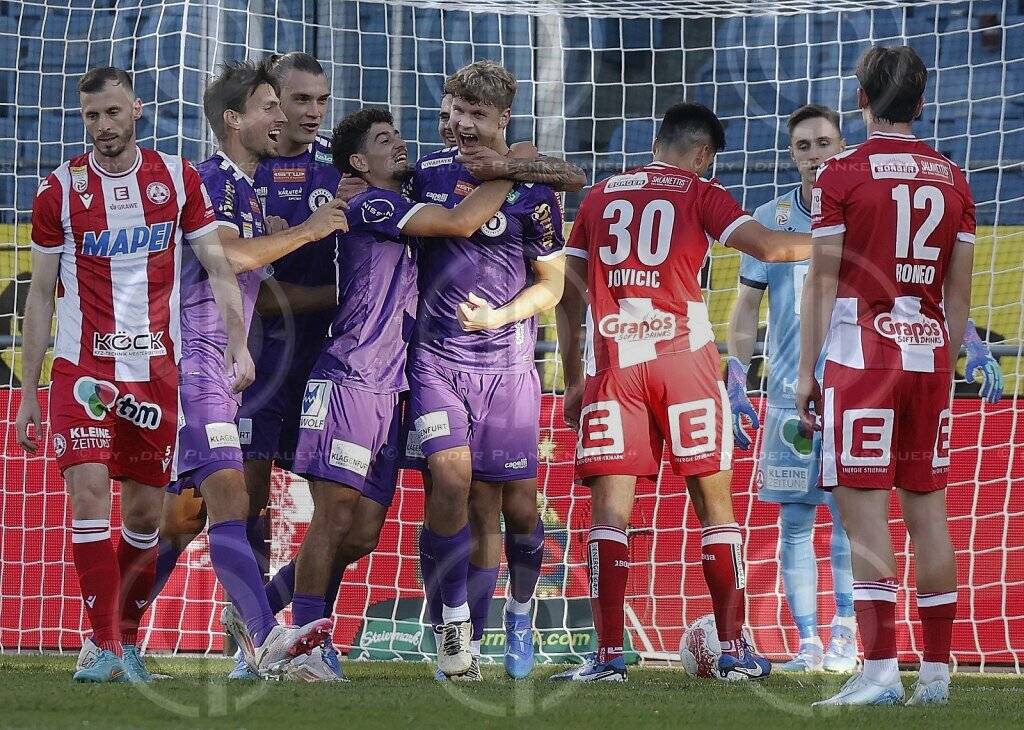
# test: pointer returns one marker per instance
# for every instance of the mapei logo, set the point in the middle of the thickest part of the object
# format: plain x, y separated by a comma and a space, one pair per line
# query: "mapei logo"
128, 241
96, 396
654, 325
906, 166
377, 210
629, 181
914, 330
142, 414
123, 344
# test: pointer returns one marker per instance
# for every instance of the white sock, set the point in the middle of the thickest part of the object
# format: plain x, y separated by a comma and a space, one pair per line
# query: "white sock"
520, 609
438, 638
882, 671
930, 671
847, 622
474, 647
456, 614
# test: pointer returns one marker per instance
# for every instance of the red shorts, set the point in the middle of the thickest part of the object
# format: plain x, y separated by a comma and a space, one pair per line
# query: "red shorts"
885, 428
130, 427
629, 413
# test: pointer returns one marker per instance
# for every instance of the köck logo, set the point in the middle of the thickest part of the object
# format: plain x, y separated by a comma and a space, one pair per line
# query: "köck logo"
123, 344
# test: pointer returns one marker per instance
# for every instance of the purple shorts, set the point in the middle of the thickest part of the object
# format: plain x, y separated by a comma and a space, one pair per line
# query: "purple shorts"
497, 415
207, 434
268, 422
349, 436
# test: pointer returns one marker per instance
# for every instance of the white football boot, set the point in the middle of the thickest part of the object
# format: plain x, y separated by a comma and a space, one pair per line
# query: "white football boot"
858, 690
935, 692
453, 655
284, 643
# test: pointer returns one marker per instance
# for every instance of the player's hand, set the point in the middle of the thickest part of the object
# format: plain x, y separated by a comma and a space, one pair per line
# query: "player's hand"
572, 404
523, 151
739, 402
476, 314
238, 365
29, 422
328, 219
485, 164
275, 224
349, 187
980, 359
808, 395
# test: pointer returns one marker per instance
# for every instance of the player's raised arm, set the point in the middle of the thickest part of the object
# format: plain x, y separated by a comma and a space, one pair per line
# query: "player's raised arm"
770, 246
244, 256
486, 164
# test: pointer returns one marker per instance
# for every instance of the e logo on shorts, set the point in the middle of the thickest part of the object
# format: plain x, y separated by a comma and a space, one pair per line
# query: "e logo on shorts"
600, 430
867, 437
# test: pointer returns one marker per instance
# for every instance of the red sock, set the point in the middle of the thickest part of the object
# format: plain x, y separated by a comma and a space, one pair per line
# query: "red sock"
721, 558
97, 570
136, 559
874, 601
937, 611
608, 558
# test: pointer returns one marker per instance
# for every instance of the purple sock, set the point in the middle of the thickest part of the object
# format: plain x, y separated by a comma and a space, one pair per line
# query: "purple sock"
451, 558
256, 534
428, 568
525, 555
480, 589
166, 558
239, 575
281, 587
331, 597
306, 608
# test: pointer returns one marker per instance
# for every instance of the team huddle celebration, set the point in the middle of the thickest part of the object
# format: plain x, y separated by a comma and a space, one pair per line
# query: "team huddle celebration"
312, 299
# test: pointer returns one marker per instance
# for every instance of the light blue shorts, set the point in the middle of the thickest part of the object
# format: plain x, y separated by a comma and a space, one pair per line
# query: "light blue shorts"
790, 463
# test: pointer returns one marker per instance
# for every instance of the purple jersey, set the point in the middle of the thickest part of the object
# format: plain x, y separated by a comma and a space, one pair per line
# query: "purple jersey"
376, 275
292, 188
495, 263
204, 337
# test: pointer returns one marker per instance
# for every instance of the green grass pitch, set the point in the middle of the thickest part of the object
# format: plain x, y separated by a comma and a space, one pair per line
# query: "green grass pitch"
37, 692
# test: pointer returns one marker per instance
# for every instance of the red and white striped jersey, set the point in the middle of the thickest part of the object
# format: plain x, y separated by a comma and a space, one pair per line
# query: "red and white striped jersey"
646, 234
902, 207
119, 238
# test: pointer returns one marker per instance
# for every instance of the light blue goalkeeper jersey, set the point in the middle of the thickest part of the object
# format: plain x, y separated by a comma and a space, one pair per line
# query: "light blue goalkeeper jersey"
785, 285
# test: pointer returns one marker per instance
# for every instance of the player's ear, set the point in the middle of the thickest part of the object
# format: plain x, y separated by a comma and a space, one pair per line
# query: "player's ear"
232, 119
920, 108
842, 143
137, 109
504, 118
862, 99
358, 162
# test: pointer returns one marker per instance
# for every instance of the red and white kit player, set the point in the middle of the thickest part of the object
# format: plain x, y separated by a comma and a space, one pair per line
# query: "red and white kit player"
107, 232
638, 243
890, 285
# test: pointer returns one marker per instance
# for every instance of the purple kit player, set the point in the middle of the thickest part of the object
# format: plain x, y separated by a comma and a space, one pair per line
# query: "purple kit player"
474, 392
241, 106
349, 436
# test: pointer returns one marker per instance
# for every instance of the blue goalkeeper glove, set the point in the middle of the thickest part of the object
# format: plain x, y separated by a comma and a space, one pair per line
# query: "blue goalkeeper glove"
736, 387
980, 358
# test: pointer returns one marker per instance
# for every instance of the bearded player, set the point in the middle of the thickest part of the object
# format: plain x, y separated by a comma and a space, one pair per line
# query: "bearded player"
890, 285
637, 245
242, 108
788, 465
110, 227
474, 392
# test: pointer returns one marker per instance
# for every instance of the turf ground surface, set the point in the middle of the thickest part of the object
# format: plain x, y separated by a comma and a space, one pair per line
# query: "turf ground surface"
37, 692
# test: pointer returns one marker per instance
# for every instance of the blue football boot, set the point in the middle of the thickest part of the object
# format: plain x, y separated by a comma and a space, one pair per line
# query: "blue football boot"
592, 671
107, 667
519, 659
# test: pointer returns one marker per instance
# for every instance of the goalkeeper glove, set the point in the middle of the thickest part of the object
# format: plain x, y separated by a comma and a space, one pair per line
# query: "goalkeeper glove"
980, 358
736, 387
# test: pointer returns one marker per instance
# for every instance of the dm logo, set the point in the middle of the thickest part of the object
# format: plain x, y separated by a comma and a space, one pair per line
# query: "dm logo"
793, 436
96, 396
